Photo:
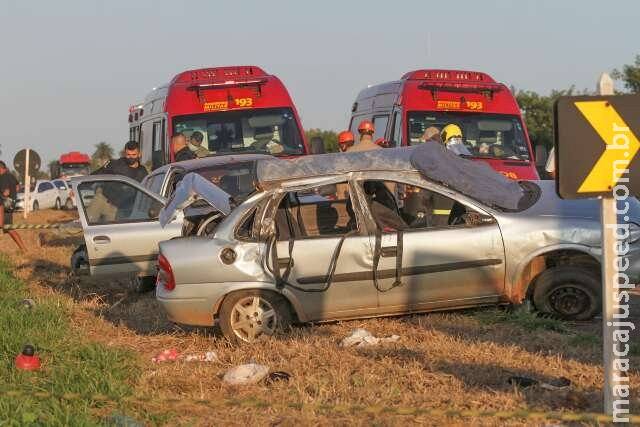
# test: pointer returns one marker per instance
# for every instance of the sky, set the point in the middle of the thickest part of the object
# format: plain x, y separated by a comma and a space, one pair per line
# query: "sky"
71, 69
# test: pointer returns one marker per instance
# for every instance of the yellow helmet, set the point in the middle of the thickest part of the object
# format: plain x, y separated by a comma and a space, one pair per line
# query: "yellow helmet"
449, 131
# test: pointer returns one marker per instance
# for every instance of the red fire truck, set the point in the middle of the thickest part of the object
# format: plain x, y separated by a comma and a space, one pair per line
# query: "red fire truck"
486, 112
70, 164
237, 109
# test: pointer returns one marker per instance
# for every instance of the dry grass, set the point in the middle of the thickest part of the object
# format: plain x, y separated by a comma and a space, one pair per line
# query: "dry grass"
447, 360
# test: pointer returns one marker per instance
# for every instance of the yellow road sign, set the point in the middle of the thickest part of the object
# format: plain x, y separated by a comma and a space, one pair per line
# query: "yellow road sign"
596, 144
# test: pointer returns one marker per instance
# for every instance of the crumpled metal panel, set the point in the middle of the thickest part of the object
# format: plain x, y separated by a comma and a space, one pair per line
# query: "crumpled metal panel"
194, 187
473, 178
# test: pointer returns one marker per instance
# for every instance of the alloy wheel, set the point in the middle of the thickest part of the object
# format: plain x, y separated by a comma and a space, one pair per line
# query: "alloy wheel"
253, 317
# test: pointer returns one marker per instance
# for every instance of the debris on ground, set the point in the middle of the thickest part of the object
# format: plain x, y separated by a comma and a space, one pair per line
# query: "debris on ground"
277, 376
363, 338
523, 382
28, 360
209, 356
165, 355
28, 303
250, 373
556, 384
172, 354
120, 420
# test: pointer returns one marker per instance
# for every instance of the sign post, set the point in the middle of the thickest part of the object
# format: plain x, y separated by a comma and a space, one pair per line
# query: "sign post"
607, 216
26, 162
26, 203
596, 143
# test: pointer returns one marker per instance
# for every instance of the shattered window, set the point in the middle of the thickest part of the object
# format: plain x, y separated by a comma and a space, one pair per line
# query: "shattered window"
113, 202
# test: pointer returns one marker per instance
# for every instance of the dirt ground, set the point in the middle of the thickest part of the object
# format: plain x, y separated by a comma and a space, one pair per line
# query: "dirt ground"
458, 360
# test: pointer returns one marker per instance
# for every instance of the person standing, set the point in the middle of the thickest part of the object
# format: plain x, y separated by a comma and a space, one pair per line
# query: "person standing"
180, 148
195, 145
366, 131
346, 140
8, 191
128, 165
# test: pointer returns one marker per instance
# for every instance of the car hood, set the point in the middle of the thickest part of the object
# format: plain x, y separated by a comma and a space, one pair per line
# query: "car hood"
192, 188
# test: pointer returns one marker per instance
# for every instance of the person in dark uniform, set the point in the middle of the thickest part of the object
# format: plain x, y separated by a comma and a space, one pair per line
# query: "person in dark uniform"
181, 148
8, 191
116, 200
129, 165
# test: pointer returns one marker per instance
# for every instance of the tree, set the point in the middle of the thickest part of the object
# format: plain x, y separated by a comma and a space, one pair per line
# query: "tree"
103, 153
630, 75
329, 138
537, 111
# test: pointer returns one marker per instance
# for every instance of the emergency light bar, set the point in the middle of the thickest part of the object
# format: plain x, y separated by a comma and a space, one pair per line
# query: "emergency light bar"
227, 84
461, 87
220, 74
449, 75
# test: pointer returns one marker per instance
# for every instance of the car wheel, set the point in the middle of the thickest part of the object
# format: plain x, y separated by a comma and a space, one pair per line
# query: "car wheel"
144, 284
80, 261
58, 204
68, 205
247, 316
571, 293
36, 206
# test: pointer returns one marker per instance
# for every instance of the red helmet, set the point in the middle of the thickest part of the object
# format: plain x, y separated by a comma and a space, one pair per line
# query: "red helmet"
381, 142
345, 137
366, 127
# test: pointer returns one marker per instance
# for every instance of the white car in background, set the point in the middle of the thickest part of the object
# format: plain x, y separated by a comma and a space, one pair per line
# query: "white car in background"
45, 195
65, 193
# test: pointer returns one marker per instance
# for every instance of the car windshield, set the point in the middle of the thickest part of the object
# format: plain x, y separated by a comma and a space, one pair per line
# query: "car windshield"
272, 131
497, 136
72, 169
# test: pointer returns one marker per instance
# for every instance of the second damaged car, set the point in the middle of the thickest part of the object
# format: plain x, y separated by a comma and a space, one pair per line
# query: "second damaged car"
388, 232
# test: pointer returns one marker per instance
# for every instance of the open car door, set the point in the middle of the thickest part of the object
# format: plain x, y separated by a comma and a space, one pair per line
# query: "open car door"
120, 220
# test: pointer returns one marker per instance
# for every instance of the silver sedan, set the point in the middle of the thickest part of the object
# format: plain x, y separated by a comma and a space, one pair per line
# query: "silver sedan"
345, 236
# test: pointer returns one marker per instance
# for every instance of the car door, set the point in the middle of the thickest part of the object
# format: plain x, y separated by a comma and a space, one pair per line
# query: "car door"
120, 221
311, 225
445, 263
46, 195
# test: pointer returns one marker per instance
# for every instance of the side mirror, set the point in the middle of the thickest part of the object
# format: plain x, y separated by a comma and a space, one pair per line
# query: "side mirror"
542, 155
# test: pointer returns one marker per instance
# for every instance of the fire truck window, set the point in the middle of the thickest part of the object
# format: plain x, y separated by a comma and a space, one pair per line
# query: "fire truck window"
397, 130
272, 131
380, 124
498, 136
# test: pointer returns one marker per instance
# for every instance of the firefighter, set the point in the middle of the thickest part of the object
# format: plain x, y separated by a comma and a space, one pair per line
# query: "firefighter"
452, 139
431, 133
346, 140
366, 130
180, 148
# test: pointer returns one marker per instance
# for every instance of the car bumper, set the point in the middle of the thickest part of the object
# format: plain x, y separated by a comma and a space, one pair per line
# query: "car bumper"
197, 304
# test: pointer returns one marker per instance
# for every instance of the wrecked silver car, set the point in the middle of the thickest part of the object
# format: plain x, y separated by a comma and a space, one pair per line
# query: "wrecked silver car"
120, 217
351, 235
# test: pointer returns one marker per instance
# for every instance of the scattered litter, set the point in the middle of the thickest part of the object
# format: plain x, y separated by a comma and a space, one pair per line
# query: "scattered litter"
522, 381
28, 303
363, 338
556, 384
120, 420
28, 360
165, 355
277, 376
250, 373
209, 356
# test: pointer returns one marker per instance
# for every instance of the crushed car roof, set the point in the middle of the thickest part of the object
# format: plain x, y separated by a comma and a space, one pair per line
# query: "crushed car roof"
432, 160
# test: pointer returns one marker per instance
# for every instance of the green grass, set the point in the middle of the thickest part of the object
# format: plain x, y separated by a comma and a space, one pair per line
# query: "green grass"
525, 319
584, 339
71, 363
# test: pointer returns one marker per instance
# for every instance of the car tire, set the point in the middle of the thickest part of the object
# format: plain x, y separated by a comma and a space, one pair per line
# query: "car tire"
80, 261
255, 325
144, 284
68, 205
570, 293
58, 204
36, 206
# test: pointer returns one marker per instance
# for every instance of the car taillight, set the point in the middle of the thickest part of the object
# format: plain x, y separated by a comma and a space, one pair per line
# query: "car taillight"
165, 274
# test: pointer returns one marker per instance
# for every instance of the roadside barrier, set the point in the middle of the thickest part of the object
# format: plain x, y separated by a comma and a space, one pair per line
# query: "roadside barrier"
61, 225
343, 408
